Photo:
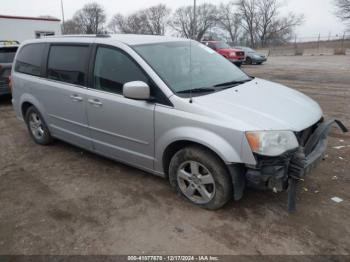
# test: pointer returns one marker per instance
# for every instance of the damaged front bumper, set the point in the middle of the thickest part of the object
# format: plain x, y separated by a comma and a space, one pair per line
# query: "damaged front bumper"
283, 172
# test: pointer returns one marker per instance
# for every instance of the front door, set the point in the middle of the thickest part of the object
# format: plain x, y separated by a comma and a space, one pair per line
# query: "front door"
120, 128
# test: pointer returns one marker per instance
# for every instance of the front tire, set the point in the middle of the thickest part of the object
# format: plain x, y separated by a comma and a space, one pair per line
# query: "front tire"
37, 127
201, 177
248, 61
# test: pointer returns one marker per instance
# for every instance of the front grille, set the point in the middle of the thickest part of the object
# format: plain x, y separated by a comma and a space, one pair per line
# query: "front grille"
5, 73
240, 53
304, 135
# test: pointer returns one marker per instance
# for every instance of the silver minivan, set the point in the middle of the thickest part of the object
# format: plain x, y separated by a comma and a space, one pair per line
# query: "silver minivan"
172, 107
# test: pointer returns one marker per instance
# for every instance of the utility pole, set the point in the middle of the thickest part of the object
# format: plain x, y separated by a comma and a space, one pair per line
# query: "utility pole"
194, 26
62, 10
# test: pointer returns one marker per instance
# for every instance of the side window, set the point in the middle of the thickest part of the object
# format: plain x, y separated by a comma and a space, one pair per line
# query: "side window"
113, 69
68, 63
29, 59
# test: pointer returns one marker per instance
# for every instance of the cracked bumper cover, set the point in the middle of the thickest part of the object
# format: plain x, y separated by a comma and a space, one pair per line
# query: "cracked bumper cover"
274, 172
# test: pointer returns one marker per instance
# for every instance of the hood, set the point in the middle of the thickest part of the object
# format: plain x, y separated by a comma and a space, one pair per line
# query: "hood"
264, 105
259, 54
255, 53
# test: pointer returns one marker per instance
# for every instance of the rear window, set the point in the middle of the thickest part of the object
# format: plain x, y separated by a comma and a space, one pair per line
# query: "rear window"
7, 54
68, 64
29, 59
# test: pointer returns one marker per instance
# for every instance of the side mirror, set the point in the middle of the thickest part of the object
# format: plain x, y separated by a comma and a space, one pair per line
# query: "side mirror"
136, 90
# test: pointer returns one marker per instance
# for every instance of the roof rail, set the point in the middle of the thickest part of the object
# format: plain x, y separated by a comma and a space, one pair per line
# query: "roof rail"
82, 36
103, 35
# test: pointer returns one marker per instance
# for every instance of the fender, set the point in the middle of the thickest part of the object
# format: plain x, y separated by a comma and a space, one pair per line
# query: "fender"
207, 138
31, 99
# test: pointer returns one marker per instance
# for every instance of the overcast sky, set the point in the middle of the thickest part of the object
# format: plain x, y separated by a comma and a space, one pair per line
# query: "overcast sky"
319, 14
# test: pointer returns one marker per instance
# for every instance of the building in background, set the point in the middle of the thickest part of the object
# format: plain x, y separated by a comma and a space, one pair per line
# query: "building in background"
20, 28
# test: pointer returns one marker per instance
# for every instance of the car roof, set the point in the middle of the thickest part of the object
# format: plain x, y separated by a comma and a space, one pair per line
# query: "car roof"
128, 39
8, 43
212, 41
8, 46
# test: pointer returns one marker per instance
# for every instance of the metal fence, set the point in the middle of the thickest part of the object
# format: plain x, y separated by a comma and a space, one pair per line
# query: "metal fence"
319, 45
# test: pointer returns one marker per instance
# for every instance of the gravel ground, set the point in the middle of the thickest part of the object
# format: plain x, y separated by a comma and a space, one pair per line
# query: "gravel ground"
62, 200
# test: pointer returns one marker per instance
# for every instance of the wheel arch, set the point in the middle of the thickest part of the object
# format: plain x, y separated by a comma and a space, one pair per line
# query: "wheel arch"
175, 147
203, 138
27, 101
24, 107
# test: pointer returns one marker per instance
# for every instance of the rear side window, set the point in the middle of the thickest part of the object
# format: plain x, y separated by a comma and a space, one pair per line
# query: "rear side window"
68, 64
7, 54
29, 59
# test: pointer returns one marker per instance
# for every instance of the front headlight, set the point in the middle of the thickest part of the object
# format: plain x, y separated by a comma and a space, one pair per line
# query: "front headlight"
272, 143
232, 54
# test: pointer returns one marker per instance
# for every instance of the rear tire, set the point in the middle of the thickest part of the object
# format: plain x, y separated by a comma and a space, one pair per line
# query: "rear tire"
248, 61
201, 177
37, 127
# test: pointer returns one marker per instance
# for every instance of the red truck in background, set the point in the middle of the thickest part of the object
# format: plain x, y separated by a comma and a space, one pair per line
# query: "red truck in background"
236, 56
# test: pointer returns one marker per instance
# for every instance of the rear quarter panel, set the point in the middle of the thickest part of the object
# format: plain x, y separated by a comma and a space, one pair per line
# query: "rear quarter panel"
25, 89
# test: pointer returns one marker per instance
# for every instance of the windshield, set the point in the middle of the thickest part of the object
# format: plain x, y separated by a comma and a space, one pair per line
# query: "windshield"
189, 65
222, 45
7, 54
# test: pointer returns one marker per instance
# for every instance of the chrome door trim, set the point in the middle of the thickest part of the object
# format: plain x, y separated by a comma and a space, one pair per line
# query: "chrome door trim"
119, 136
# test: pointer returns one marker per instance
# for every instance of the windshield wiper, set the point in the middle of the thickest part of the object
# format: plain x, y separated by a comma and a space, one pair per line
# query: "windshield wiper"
233, 83
213, 89
197, 90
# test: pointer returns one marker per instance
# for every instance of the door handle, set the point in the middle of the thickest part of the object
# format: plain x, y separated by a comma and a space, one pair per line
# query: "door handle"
95, 102
76, 98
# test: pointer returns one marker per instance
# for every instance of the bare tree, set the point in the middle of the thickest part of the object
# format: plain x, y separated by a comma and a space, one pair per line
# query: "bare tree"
249, 17
70, 27
272, 27
343, 10
282, 30
183, 21
263, 23
117, 22
156, 19
132, 24
90, 18
151, 21
267, 12
229, 20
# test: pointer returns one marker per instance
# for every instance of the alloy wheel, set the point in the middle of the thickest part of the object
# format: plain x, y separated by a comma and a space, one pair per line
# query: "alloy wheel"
196, 182
36, 126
